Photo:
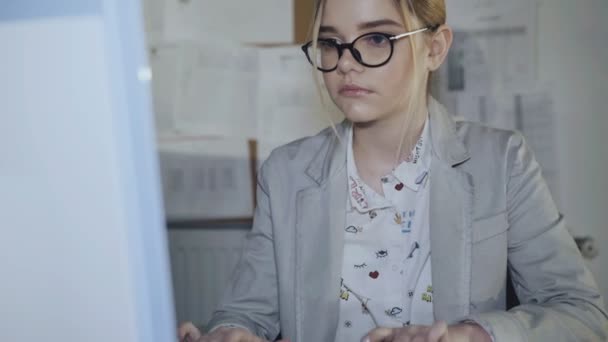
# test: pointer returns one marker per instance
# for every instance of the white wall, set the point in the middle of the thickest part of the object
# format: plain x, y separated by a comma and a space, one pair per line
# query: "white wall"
573, 53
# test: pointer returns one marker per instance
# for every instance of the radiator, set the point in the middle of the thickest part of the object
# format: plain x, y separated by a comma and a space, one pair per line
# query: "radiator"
202, 263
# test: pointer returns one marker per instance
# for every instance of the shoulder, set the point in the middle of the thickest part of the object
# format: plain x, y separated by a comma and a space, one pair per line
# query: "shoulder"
301, 150
489, 142
495, 154
298, 154
475, 135
292, 159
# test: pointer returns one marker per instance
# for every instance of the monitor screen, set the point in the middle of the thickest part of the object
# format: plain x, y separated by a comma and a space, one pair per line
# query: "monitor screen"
83, 251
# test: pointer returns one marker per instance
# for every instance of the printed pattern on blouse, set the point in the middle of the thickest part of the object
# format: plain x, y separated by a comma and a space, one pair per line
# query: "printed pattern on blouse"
386, 272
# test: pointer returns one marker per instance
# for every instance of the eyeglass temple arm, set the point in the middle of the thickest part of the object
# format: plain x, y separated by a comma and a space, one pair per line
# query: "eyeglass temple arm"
403, 35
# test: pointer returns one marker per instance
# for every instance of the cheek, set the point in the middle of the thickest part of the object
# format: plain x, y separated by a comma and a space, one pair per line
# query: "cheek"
395, 78
331, 81
392, 84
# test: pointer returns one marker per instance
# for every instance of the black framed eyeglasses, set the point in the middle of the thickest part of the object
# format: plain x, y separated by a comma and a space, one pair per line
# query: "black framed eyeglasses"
372, 50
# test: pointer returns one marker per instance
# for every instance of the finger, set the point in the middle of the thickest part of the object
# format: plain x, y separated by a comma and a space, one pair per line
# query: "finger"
192, 338
438, 332
241, 335
190, 330
182, 330
380, 335
234, 335
251, 338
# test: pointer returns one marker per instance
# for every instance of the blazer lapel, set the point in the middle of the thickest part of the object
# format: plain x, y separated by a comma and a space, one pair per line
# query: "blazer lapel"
450, 222
321, 214
451, 205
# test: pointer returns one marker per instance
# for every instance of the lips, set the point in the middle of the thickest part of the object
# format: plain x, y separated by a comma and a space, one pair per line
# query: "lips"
352, 90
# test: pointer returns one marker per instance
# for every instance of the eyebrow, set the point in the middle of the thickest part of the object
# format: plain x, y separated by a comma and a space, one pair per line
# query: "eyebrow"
364, 26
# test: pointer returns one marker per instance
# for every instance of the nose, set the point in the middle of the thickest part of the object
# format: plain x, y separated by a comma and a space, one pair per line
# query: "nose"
348, 62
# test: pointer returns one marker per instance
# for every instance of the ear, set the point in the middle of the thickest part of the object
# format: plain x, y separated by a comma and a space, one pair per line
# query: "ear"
438, 47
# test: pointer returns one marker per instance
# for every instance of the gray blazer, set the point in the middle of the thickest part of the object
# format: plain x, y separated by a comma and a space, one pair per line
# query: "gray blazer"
491, 212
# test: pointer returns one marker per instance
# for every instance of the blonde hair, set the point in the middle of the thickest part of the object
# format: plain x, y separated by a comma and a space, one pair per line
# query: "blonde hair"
415, 14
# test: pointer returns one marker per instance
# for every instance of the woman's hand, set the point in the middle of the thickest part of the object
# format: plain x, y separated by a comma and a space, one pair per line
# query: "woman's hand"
225, 334
438, 332
187, 332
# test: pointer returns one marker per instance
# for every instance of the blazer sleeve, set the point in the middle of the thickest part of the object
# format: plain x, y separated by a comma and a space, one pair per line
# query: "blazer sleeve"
251, 298
558, 295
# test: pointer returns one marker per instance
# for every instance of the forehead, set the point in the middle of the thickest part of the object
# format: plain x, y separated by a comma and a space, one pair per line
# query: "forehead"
347, 14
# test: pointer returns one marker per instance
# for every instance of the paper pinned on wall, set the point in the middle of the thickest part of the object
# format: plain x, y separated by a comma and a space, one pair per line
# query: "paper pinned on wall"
206, 178
493, 59
216, 90
494, 45
289, 104
260, 21
485, 14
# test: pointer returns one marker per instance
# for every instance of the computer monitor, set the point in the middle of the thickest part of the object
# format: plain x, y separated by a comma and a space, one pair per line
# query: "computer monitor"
83, 248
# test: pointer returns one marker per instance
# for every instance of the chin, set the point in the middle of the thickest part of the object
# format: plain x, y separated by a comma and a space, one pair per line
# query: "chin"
365, 117
358, 113
361, 119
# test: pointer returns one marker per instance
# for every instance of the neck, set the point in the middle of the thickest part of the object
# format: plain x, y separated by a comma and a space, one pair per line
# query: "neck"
376, 144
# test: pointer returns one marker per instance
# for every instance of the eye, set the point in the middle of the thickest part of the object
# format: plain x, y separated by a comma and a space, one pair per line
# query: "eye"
363, 265
327, 43
376, 40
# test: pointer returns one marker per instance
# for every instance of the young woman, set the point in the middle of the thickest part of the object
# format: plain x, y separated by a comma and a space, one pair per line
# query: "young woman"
401, 224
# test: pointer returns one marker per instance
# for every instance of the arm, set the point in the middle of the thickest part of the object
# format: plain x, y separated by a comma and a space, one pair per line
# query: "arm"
559, 298
251, 299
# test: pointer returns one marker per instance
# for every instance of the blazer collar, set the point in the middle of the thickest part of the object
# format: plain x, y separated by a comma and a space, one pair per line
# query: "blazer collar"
331, 157
447, 145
